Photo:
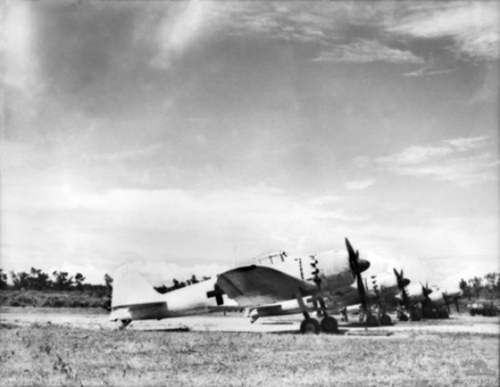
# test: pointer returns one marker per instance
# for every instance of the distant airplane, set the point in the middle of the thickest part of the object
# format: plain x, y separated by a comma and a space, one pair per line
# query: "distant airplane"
305, 281
423, 301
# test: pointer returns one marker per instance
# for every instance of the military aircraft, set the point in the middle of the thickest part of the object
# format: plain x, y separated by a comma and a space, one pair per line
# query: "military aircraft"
133, 298
380, 291
423, 301
291, 279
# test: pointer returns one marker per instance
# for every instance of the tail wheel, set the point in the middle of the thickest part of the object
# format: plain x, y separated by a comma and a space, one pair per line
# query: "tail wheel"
124, 324
385, 319
372, 321
310, 326
329, 325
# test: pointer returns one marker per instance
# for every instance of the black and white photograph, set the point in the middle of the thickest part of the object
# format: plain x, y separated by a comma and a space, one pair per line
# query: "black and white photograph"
250, 192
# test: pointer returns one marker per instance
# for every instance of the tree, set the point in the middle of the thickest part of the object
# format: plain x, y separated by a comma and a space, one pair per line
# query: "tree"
476, 285
62, 282
466, 290
3, 280
38, 280
20, 280
109, 281
492, 281
162, 289
79, 278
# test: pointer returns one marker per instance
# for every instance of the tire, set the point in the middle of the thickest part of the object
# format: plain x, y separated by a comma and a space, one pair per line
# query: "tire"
415, 316
385, 319
443, 313
371, 320
329, 325
403, 317
310, 326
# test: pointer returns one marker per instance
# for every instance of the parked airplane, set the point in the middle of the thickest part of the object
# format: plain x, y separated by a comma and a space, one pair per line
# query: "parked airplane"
381, 291
292, 285
315, 277
422, 301
134, 298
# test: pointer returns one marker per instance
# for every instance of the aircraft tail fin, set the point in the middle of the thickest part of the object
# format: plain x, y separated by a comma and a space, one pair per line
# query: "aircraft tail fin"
130, 288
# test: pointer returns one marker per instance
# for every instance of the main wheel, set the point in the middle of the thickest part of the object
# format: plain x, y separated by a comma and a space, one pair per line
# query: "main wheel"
443, 313
415, 315
309, 326
385, 319
371, 320
329, 325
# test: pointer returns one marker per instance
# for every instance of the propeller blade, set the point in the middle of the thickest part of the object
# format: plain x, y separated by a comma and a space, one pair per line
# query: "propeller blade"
426, 290
356, 272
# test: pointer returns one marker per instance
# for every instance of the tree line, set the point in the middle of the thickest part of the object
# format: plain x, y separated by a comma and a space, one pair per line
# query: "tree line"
36, 279
180, 284
487, 286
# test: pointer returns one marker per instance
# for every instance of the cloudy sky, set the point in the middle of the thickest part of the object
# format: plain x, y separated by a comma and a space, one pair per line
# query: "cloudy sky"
181, 137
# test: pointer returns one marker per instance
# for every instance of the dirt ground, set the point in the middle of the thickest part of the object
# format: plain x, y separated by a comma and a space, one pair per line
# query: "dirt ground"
235, 322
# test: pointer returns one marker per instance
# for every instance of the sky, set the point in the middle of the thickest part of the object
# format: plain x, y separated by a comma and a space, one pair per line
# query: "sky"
185, 137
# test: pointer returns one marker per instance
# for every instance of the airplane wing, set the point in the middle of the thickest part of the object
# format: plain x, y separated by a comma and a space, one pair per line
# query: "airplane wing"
259, 285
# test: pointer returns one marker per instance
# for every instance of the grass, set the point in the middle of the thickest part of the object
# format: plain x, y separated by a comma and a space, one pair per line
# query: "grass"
49, 355
53, 298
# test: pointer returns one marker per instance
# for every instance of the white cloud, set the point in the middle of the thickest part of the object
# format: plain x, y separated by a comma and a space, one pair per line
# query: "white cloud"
450, 160
185, 23
365, 51
359, 184
18, 48
473, 26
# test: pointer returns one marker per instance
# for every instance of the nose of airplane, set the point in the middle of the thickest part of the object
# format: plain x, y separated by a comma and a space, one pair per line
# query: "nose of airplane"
363, 265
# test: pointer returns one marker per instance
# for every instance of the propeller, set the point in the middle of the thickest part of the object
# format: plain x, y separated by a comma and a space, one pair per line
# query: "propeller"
426, 290
402, 283
357, 267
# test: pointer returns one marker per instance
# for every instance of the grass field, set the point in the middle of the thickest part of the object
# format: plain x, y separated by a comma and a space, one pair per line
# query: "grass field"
53, 298
52, 355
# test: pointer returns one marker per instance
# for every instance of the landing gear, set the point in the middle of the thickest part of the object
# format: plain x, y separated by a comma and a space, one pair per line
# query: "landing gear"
415, 314
344, 314
309, 326
371, 320
402, 316
385, 319
124, 324
329, 325
443, 313
312, 326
